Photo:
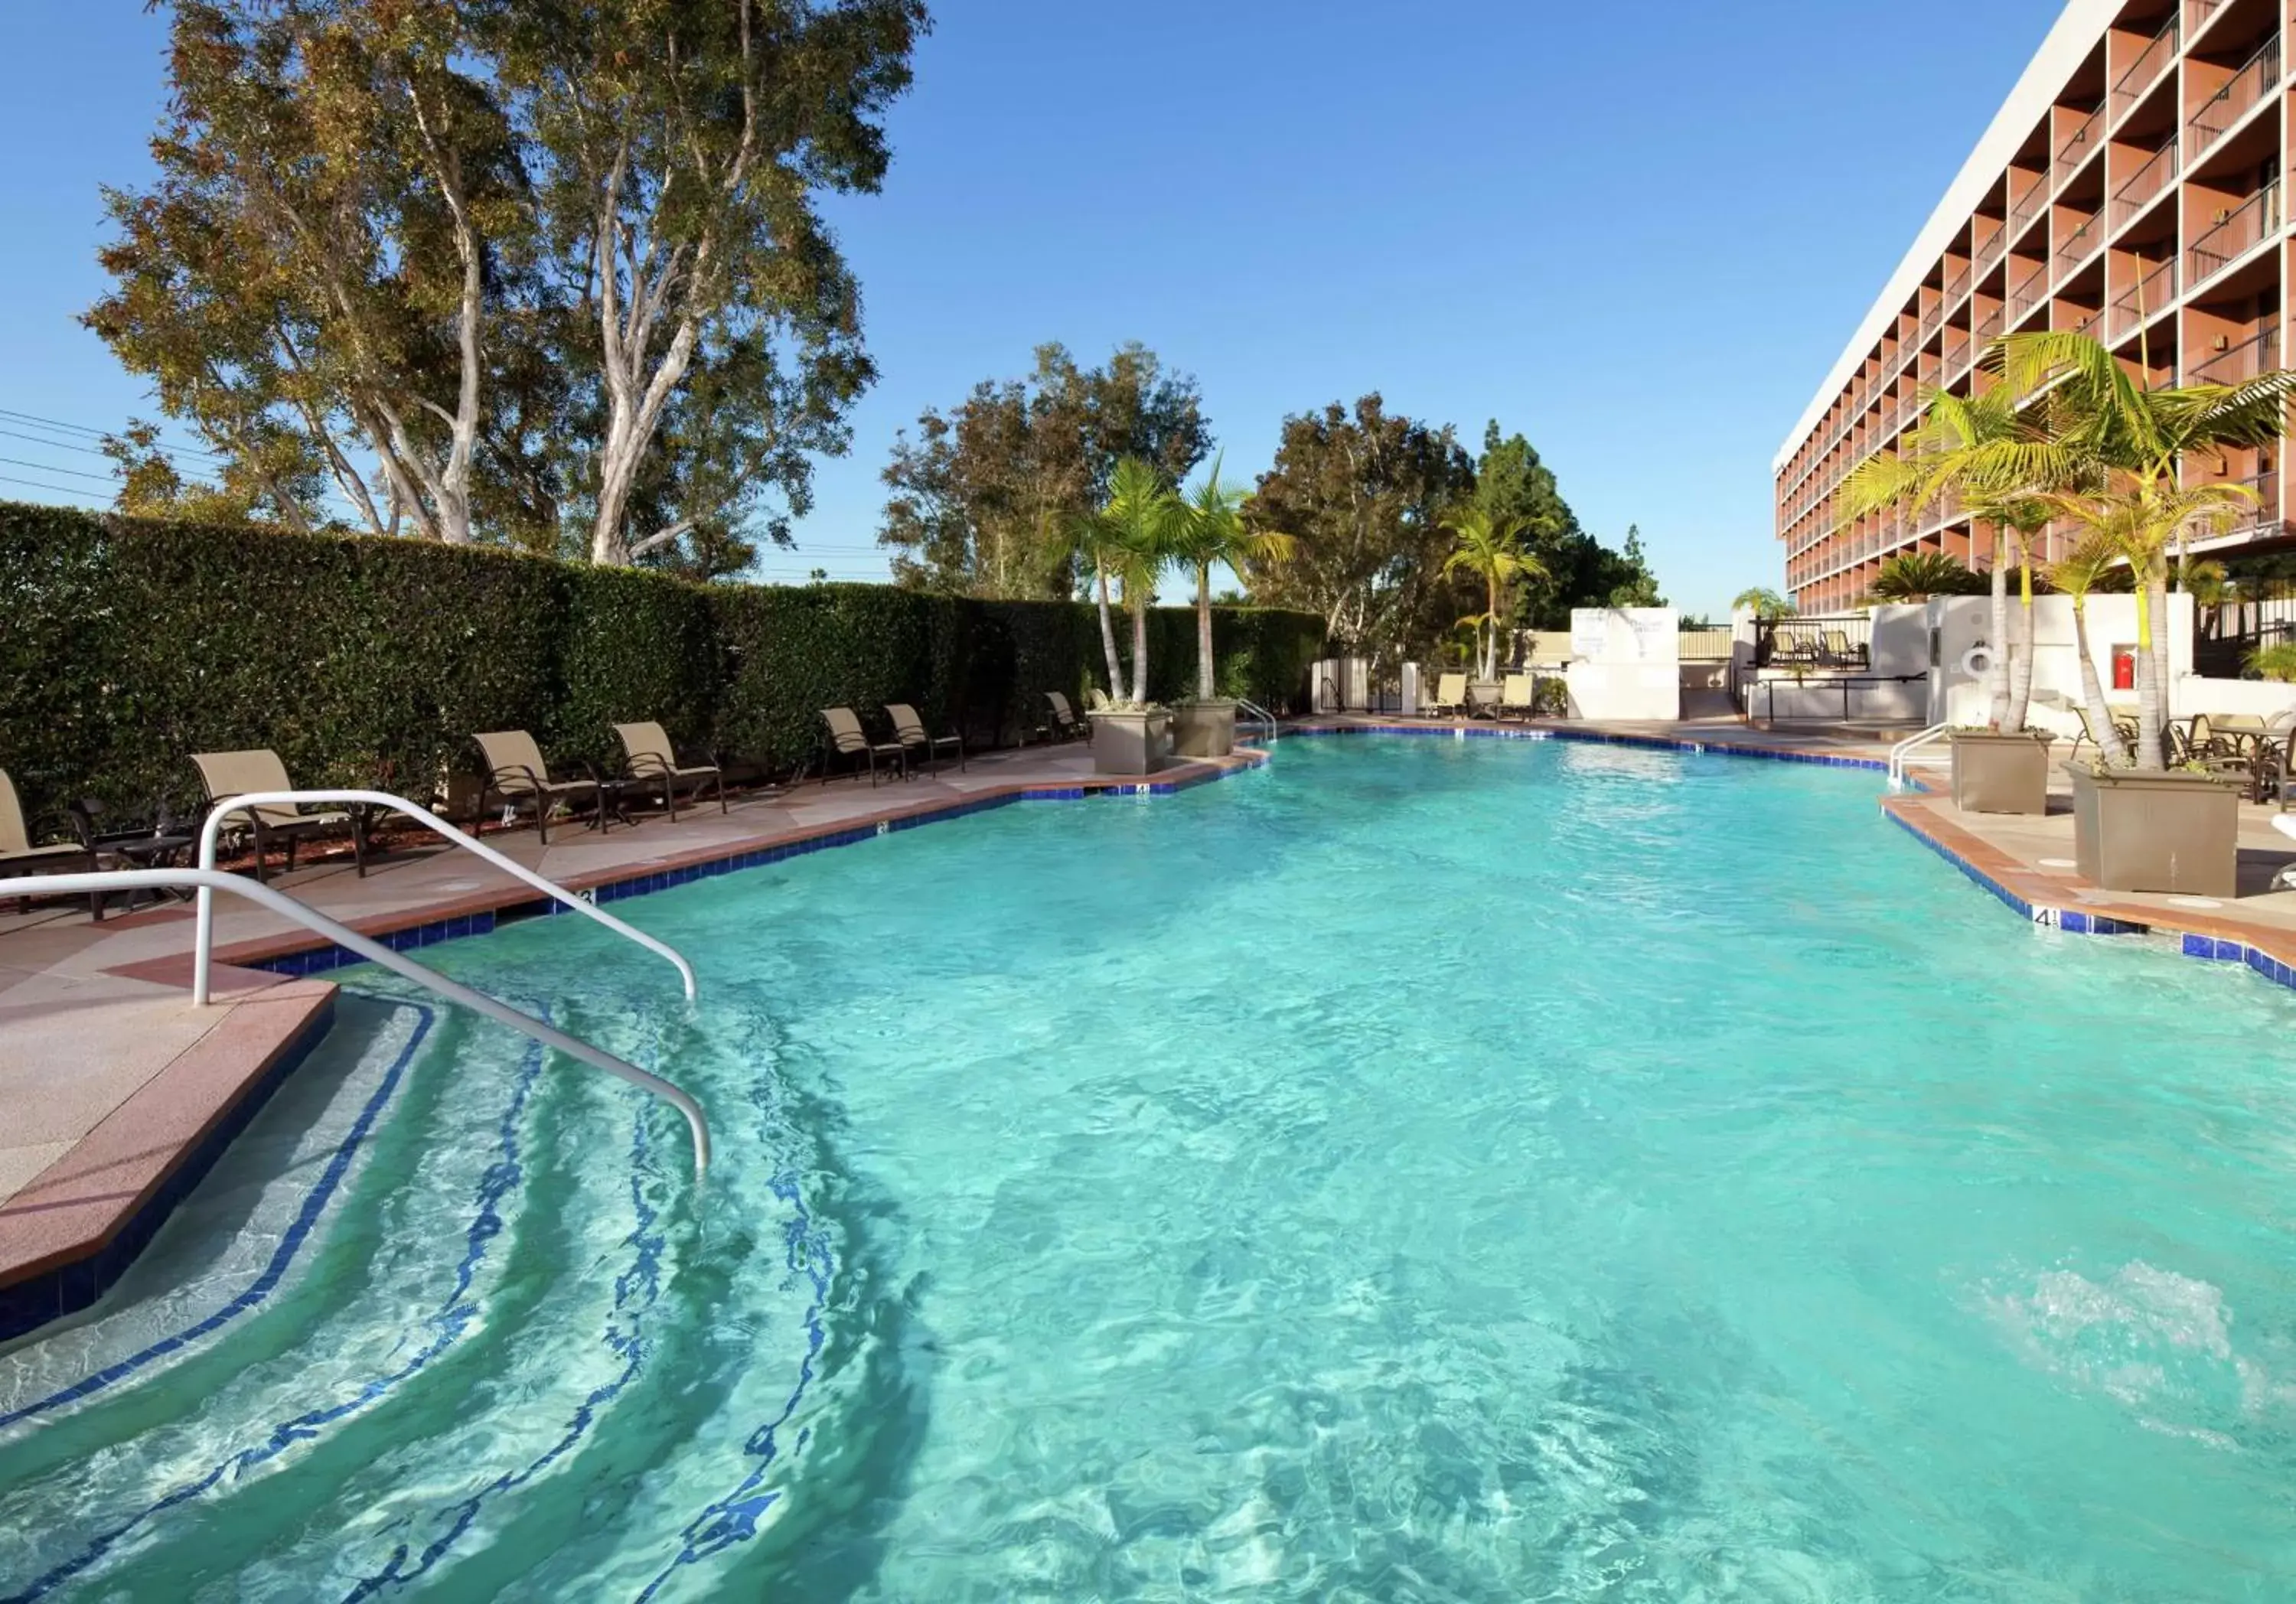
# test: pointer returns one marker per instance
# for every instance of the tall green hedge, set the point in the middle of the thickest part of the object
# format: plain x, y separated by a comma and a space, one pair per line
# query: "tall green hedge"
126, 646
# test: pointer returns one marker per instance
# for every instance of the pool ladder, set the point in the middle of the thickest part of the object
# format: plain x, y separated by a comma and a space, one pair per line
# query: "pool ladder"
1901, 756
1258, 714
206, 879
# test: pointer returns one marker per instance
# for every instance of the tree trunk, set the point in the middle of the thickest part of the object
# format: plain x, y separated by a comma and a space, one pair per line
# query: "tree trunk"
2100, 715
1997, 662
2148, 688
1139, 605
1491, 631
2021, 654
1108, 636
1205, 687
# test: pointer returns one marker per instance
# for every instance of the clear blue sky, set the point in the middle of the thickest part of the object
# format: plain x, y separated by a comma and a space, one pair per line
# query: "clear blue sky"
1639, 234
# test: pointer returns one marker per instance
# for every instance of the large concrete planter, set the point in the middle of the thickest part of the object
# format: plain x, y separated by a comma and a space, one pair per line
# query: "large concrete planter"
1203, 729
2001, 773
1130, 743
2167, 832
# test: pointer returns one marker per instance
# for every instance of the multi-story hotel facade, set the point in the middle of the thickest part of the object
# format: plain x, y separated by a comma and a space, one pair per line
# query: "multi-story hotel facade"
2131, 187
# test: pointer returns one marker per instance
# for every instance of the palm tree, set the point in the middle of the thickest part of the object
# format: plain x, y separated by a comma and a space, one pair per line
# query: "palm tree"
1993, 453
1130, 540
1763, 603
2094, 556
1917, 576
1486, 548
2143, 520
2098, 411
1214, 533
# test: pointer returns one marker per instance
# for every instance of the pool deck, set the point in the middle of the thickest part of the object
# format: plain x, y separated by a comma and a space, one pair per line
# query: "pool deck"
115, 1093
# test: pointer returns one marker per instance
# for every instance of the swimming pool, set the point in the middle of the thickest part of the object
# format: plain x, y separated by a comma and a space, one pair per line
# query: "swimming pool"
1424, 1169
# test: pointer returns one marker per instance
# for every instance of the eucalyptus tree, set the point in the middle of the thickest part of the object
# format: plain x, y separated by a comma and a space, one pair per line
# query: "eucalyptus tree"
1488, 547
304, 280
677, 153
1214, 532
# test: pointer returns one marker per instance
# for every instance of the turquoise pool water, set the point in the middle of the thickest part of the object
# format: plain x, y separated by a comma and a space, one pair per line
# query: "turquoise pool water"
1425, 1170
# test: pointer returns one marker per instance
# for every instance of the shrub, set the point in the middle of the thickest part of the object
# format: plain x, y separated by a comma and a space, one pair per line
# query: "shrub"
129, 644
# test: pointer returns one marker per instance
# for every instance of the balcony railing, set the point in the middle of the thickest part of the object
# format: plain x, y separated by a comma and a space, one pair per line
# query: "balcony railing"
2240, 360
1989, 325
2029, 294
2263, 513
2141, 301
1990, 247
2079, 145
2080, 244
2197, 13
2144, 185
2235, 232
2145, 70
1957, 348
2257, 78
2023, 210
1957, 288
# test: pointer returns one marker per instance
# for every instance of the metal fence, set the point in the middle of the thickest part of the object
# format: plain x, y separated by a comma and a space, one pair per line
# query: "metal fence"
1817, 645
2225, 637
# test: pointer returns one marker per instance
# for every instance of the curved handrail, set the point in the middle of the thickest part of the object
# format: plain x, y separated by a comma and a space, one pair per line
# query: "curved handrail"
375, 951
204, 941
1901, 753
1259, 715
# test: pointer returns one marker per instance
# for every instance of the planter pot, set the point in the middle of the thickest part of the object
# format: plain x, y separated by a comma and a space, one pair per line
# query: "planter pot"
1130, 743
2001, 773
2167, 832
1203, 729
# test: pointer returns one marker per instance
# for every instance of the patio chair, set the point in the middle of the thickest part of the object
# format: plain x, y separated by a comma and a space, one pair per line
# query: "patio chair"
1517, 696
516, 775
648, 756
1066, 724
910, 730
1450, 700
845, 740
1839, 652
2186, 750
228, 774
19, 855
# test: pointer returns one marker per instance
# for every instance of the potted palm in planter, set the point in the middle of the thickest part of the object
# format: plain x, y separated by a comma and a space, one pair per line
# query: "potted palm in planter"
1130, 540
1993, 457
1213, 531
1487, 544
2140, 825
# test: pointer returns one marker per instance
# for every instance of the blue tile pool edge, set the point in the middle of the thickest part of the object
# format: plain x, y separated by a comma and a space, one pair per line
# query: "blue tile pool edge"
2072, 921
324, 956
67, 1288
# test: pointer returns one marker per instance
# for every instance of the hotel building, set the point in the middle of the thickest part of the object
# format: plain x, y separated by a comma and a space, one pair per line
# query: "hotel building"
2130, 188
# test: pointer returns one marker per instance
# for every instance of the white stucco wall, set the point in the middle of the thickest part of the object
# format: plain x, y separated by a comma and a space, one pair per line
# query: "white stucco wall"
1625, 663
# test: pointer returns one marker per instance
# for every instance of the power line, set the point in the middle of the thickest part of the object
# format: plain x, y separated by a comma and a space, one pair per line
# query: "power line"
6, 479
104, 479
82, 429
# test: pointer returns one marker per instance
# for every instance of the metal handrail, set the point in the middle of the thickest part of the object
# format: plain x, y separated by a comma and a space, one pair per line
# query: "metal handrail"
1259, 715
209, 880
1902, 754
203, 944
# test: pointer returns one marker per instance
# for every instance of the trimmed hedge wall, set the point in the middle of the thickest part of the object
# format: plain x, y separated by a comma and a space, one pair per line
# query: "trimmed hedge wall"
126, 646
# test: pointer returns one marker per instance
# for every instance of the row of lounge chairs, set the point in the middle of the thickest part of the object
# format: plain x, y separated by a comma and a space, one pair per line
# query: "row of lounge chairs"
910, 739
517, 779
1518, 698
